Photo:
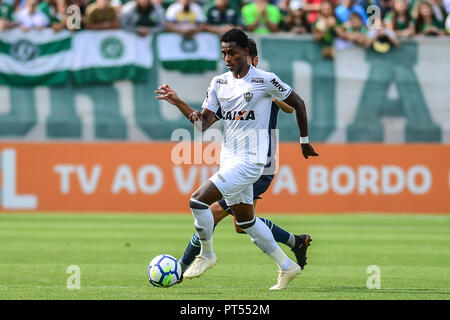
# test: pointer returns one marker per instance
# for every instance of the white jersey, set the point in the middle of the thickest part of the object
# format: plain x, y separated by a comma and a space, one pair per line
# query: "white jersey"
246, 107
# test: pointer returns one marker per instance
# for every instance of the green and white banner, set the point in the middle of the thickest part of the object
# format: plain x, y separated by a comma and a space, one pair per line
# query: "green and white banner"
190, 55
34, 57
46, 58
105, 57
361, 96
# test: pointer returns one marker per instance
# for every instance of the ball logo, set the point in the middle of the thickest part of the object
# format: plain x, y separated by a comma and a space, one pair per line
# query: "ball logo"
112, 48
24, 50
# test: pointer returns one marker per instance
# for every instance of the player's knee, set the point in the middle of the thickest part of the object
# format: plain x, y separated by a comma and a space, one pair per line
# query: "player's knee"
197, 204
246, 224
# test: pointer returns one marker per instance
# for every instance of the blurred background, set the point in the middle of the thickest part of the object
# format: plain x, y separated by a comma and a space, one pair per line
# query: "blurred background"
81, 130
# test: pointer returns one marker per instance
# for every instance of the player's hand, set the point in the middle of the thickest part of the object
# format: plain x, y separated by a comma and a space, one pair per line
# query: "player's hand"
168, 94
195, 116
308, 150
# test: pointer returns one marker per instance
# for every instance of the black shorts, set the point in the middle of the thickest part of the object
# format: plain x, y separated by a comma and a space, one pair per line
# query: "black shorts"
259, 187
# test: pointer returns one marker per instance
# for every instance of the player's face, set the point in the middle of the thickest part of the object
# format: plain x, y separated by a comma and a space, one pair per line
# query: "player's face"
235, 57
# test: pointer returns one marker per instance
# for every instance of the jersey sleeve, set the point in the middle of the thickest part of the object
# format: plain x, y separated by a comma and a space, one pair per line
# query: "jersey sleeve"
218, 115
211, 101
277, 88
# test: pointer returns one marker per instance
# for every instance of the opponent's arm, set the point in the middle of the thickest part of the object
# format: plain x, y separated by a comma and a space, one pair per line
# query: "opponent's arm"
283, 106
168, 94
298, 105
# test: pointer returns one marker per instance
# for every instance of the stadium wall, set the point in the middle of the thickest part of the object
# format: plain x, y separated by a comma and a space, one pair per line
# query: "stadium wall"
94, 139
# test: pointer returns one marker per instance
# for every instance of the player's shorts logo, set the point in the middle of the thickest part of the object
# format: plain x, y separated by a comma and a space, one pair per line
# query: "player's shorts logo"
248, 96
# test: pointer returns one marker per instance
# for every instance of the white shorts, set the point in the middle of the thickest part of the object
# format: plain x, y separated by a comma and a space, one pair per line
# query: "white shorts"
235, 181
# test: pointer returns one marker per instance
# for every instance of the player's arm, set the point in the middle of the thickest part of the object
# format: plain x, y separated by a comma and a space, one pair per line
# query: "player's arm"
298, 105
202, 120
168, 94
283, 106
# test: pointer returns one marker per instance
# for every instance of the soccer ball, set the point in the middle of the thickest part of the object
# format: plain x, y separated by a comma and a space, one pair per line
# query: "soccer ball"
164, 271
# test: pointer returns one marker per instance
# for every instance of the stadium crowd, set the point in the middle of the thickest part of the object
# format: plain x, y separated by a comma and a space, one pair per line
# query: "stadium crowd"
344, 23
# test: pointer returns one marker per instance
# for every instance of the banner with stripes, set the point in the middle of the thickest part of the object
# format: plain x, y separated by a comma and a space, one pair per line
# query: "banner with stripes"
34, 57
190, 55
47, 58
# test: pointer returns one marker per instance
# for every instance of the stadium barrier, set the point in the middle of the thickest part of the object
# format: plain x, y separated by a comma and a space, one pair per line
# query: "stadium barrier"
360, 96
135, 177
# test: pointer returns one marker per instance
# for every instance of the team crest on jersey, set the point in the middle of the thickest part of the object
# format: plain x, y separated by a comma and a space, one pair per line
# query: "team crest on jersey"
248, 96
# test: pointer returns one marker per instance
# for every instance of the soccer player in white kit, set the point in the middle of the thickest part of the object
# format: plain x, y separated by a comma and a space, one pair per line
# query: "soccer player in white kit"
244, 95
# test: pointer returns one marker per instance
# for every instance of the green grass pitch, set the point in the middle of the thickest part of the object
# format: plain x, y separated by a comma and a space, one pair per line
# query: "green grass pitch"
113, 252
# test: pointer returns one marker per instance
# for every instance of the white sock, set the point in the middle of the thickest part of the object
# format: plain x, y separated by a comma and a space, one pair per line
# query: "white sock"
281, 259
204, 224
263, 238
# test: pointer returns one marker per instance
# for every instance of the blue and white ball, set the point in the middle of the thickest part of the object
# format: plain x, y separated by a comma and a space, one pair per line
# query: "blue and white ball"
164, 271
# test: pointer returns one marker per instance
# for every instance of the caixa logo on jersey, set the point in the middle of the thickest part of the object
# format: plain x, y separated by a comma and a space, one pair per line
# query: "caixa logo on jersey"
10, 199
240, 115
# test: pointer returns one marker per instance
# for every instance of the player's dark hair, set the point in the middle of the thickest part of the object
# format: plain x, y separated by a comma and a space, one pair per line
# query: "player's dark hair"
252, 50
235, 35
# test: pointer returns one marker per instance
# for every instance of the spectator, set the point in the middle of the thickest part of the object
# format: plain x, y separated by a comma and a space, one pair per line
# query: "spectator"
347, 7
386, 7
185, 17
355, 33
447, 6
313, 8
142, 17
16, 4
400, 20
326, 28
382, 39
6, 16
447, 25
30, 18
221, 17
297, 19
101, 15
261, 17
426, 22
55, 11
439, 10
